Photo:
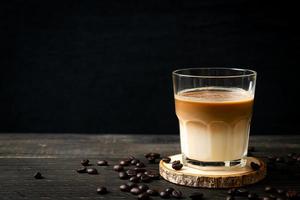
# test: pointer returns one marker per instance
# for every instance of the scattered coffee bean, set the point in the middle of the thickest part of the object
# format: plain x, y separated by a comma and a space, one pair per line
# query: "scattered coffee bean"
143, 196
124, 162
92, 171
291, 155
280, 198
253, 196
118, 168
166, 159
291, 194
196, 196
134, 161
271, 158
230, 198
280, 191
123, 175
134, 179
143, 187
102, 163
124, 188
85, 162
272, 196
164, 195
151, 160
38, 175
269, 189
81, 170
177, 166
140, 165
254, 166
169, 190
131, 172
137, 169
135, 191
130, 158
242, 192
144, 178
279, 159
232, 191
132, 185
177, 194
101, 190
298, 159
154, 174
139, 174
152, 192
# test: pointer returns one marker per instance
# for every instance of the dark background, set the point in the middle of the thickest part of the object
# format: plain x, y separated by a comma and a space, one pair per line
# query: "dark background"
105, 66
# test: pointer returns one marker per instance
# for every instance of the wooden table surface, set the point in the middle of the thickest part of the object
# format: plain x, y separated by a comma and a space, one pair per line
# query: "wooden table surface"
56, 156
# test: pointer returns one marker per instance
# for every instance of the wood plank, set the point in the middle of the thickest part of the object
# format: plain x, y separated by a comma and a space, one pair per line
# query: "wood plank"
56, 156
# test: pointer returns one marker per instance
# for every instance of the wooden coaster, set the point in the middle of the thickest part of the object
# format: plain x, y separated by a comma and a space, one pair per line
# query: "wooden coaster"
236, 177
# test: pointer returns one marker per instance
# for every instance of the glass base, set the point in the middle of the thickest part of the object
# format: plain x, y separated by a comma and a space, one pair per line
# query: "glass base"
223, 165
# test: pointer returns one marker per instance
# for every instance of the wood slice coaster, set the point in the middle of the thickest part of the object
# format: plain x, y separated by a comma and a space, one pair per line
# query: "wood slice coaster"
236, 177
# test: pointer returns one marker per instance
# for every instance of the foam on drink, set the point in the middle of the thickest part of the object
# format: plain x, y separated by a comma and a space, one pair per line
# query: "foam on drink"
214, 123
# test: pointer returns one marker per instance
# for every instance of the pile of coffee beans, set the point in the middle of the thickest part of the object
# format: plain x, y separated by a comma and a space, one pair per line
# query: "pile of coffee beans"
138, 179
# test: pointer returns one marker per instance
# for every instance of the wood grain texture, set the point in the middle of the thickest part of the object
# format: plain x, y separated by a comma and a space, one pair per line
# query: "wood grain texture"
188, 176
56, 156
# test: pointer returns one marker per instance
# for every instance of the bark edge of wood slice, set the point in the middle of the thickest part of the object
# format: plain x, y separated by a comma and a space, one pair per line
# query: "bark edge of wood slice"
192, 177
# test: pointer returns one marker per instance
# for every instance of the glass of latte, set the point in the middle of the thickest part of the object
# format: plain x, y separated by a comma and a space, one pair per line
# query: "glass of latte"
214, 109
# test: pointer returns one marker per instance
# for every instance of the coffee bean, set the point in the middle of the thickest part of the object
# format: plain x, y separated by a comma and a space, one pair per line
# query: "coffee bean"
132, 185
135, 191
152, 192
124, 162
254, 166
101, 190
118, 168
134, 161
176, 162
280, 198
230, 198
85, 162
81, 170
271, 158
267, 198
291, 155
169, 190
143, 187
144, 178
291, 194
177, 166
143, 196
279, 159
131, 172
137, 169
38, 175
124, 188
272, 196
177, 194
196, 196
269, 189
242, 192
123, 175
232, 191
280, 191
140, 165
154, 174
252, 196
139, 174
130, 158
134, 179
151, 160
92, 171
298, 159
164, 195
102, 163
166, 159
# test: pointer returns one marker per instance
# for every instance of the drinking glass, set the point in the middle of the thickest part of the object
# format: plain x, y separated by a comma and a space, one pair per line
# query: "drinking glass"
214, 109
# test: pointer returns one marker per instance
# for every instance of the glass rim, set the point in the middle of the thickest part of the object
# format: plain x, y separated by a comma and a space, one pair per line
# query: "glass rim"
250, 72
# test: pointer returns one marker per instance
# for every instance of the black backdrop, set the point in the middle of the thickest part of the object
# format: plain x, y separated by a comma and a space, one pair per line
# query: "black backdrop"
105, 66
